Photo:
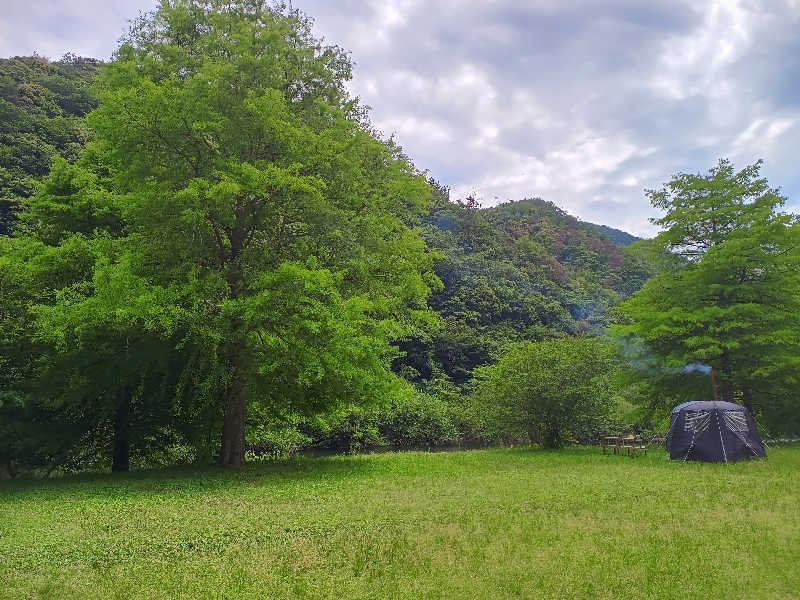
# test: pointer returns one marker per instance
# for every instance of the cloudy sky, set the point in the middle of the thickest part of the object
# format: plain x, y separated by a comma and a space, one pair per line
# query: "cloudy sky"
584, 103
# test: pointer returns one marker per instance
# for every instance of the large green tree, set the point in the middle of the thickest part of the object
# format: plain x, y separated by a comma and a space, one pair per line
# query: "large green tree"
729, 291
259, 201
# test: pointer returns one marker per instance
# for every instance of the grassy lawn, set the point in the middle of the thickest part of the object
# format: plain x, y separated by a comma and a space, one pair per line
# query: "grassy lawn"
484, 524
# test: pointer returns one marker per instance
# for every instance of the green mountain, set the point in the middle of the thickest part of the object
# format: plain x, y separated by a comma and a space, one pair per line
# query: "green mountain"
619, 237
524, 270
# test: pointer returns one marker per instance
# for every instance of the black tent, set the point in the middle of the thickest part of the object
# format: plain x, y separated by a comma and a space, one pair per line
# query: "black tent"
713, 432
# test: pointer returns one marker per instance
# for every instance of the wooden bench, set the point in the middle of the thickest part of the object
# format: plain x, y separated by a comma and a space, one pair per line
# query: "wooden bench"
633, 444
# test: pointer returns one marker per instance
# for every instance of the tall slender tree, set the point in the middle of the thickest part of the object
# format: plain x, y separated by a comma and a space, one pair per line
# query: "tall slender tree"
729, 291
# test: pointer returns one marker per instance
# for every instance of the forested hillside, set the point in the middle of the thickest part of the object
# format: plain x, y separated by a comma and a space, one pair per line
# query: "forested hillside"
519, 271
620, 238
42, 105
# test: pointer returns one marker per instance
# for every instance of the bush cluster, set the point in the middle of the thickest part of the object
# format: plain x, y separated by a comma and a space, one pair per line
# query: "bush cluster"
420, 420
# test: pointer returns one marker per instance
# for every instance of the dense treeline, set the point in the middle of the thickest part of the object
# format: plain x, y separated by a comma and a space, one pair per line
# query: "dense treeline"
120, 342
223, 260
234, 245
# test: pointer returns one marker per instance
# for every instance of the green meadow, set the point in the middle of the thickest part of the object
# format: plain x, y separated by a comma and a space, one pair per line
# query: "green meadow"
504, 523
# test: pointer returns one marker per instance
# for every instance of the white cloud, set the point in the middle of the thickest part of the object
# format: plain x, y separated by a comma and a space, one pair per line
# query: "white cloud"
55, 27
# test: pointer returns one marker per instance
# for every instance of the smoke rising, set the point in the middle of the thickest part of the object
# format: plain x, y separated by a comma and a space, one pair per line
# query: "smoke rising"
696, 367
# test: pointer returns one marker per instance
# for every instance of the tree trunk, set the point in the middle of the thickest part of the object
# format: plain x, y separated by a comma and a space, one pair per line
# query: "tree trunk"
747, 398
535, 435
232, 450
727, 391
553, 437
122, 431
727, 384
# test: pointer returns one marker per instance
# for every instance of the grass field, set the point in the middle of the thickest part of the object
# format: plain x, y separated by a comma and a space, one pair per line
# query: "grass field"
483, 524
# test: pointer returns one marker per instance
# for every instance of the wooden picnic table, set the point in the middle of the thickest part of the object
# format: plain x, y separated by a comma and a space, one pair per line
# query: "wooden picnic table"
632, 443
611, 441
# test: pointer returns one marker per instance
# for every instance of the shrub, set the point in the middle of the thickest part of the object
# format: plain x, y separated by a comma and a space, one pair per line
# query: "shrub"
354, 430
270, 442
419, 420
549, 390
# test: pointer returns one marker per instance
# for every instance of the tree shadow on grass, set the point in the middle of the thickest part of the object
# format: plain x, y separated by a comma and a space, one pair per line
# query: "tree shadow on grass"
190, 479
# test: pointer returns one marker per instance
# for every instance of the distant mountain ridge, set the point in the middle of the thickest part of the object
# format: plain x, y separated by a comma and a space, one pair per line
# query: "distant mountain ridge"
42, 105
619, 237
523, 270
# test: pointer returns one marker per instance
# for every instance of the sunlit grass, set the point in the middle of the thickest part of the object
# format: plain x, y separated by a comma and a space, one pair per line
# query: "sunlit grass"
484, 524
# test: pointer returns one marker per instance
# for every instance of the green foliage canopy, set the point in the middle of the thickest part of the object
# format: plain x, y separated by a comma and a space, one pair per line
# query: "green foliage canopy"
519, 271
259, 200
42, 105
729, 292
